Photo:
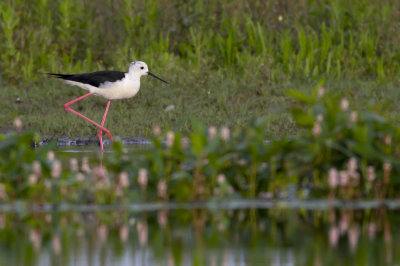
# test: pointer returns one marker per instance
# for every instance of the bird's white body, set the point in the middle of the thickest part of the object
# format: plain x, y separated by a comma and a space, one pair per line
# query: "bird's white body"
125, 88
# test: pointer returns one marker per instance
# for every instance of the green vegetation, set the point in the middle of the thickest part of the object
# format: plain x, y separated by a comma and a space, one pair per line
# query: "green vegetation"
227, 61
303, 39
239, 122
342, 152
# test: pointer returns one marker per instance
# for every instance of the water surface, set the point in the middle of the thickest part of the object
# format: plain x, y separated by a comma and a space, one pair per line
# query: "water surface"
201, 237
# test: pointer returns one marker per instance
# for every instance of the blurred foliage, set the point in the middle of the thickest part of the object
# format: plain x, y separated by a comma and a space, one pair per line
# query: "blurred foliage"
341, 152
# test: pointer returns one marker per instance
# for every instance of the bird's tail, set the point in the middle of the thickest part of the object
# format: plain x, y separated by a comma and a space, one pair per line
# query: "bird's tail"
60, 76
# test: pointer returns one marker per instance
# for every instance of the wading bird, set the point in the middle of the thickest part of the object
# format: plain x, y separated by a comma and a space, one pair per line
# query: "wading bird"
112, 85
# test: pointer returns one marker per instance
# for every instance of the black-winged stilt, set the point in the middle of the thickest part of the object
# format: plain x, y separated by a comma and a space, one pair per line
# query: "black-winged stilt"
112, 85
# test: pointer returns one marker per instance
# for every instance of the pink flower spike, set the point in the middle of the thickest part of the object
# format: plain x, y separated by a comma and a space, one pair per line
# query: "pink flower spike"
142, 178
18, 124
170, 138
212, 131
371, 173
123, 179
162, 188
73, 164
56, 169
221, 179
225, 133
353, 116
316, 130
344, 104
333, 178
344, 178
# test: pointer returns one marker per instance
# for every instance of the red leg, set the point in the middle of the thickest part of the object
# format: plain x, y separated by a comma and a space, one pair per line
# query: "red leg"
102, 124
84, 117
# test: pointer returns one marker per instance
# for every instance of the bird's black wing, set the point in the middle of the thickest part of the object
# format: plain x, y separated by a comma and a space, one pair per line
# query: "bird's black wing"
95, 78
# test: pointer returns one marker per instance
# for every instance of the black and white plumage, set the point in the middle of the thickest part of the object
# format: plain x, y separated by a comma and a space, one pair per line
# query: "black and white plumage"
111, 85
95, 78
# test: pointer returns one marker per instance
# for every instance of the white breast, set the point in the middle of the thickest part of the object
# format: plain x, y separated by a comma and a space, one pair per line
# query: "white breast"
125, 88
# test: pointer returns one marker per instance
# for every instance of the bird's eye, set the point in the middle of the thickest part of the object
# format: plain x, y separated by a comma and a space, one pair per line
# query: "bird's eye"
141, 67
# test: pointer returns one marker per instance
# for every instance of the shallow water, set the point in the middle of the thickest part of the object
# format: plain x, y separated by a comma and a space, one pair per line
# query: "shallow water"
91, 151
201, 237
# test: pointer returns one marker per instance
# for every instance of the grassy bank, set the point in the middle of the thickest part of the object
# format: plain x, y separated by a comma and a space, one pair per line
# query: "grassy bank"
213, 101
227, 61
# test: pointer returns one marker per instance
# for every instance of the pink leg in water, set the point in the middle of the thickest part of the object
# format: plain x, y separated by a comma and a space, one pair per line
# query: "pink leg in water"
102, 124
84, 117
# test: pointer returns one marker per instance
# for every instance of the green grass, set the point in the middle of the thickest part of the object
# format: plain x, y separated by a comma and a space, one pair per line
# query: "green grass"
209, 97
227, 61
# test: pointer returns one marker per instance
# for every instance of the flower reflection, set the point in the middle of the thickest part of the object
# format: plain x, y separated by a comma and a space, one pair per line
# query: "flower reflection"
36, 238
353, 235
386, 232
124, 233
317, 260
334, 236
177, 234
388, 242
102, 232
344, 222
56, 244
142, 232
371, 230
48, 218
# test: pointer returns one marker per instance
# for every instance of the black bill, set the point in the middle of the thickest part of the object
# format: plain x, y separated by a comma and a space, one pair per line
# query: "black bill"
154, 76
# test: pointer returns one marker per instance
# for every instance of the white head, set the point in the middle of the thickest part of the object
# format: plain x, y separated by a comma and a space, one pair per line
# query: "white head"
140, 68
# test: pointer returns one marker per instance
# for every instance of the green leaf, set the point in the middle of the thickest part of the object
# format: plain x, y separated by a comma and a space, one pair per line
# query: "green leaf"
302, 118
301, 97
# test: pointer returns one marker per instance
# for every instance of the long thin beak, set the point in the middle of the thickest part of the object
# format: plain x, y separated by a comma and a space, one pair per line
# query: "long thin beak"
154, 76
